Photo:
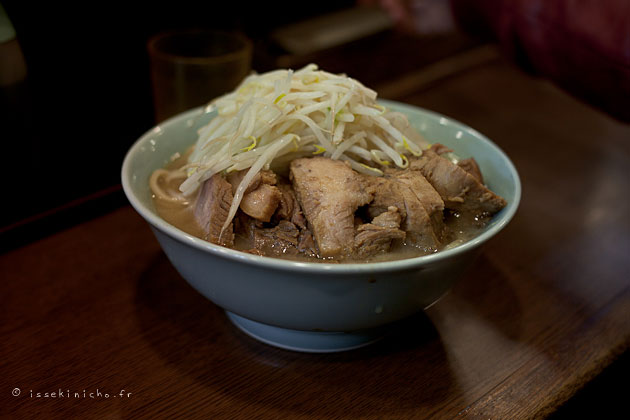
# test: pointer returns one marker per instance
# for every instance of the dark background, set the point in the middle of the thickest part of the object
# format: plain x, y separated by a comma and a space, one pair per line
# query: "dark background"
87, 95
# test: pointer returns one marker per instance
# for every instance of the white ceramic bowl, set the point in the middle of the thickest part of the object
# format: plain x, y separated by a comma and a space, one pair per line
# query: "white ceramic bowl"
311, 306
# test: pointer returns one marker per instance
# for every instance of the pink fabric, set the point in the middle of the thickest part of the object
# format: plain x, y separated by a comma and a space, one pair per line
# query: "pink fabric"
582, 45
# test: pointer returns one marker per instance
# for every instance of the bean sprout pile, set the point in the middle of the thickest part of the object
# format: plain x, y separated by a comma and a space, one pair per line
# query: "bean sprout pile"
283, 115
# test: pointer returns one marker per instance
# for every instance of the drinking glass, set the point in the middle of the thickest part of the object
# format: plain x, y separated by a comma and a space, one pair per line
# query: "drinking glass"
191, 67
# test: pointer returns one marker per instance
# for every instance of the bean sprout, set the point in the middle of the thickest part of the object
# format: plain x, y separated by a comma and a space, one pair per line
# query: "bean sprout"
286, 113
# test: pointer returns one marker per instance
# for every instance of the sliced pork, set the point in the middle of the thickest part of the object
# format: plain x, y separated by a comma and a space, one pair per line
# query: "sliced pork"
211, 210
289, 208
417, 222
459, 189
470, 166
262, 202
440, 149
329, 192
331, 211
264, 177
282, 239
261, 198
377, 237
426, 194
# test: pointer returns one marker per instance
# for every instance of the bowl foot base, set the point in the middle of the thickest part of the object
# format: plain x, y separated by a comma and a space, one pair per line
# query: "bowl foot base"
306, 341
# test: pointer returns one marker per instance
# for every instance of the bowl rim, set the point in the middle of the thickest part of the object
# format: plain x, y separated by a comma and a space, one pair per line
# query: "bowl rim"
318, 267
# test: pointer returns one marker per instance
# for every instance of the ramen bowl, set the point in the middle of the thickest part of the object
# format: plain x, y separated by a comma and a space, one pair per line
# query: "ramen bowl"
316, 307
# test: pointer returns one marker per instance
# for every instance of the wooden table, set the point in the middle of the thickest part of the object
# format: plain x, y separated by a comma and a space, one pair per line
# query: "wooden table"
544, 310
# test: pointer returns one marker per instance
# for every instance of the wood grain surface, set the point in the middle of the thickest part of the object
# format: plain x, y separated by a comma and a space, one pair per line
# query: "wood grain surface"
542, 312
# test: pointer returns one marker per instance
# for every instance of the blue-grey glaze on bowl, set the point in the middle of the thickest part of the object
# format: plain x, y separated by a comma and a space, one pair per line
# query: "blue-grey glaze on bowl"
316, 296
